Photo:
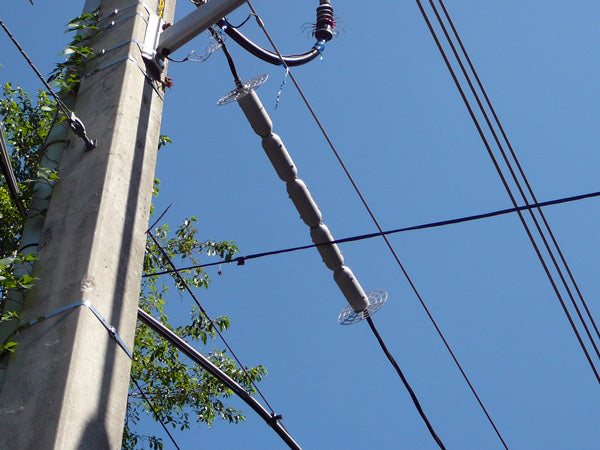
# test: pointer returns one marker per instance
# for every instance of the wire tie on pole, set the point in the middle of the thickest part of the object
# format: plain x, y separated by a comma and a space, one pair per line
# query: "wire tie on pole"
125, 8
104, 51
133, 60
114, 23
111, 330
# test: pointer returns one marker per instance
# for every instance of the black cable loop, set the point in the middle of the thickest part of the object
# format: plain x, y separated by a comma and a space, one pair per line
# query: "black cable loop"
507, 188
323, 32
265, 55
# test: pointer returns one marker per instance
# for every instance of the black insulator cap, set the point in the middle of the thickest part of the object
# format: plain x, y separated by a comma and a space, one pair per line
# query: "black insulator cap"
324, 28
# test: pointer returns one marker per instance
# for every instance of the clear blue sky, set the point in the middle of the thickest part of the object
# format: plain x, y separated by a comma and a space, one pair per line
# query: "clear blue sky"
386, 99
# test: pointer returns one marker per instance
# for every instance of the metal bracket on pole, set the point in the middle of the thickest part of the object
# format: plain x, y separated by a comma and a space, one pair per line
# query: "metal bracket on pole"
161, 40
153, 30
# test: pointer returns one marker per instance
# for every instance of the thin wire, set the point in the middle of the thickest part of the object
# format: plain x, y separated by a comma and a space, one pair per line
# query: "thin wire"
156, 416
159, 218
187, 287
9, 176
508, 190
374, 219
74, 122
234, 73
241, 259
412, 394
519, 167
60, 103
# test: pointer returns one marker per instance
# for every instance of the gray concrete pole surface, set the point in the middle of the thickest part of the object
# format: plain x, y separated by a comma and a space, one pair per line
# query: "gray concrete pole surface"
66, 386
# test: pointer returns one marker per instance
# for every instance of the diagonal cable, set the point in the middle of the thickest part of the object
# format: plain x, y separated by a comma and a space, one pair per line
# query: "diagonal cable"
519, 167
412, 394
156, 415
74, 122
189, 290
522, 193
9, 175
509, 192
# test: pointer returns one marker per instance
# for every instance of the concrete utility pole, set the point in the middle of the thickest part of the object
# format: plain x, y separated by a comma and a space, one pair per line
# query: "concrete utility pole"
66, 386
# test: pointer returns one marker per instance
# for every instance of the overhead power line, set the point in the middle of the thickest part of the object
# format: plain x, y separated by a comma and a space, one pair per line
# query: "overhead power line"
519, 167
505, 182
155, 412
9, 175
216, 328
406, 383
242, 259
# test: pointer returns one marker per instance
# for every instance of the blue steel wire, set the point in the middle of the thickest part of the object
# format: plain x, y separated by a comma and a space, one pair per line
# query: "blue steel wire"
519, 167
376, 222
285, 77
508, 190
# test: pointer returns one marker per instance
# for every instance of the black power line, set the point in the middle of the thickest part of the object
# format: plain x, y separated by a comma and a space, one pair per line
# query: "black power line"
519, 167
9, 175
187, 287
74, 122
242, 259
506, 185
155, 412
271, 419
515, 179
406, 384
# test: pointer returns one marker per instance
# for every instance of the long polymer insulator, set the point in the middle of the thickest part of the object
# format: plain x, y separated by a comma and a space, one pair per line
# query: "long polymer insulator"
303, 201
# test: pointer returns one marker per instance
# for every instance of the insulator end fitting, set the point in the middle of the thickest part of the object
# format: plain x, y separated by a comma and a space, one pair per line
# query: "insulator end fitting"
325, 27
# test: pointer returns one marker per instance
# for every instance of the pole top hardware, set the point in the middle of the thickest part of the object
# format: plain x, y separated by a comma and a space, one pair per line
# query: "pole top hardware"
160, 41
